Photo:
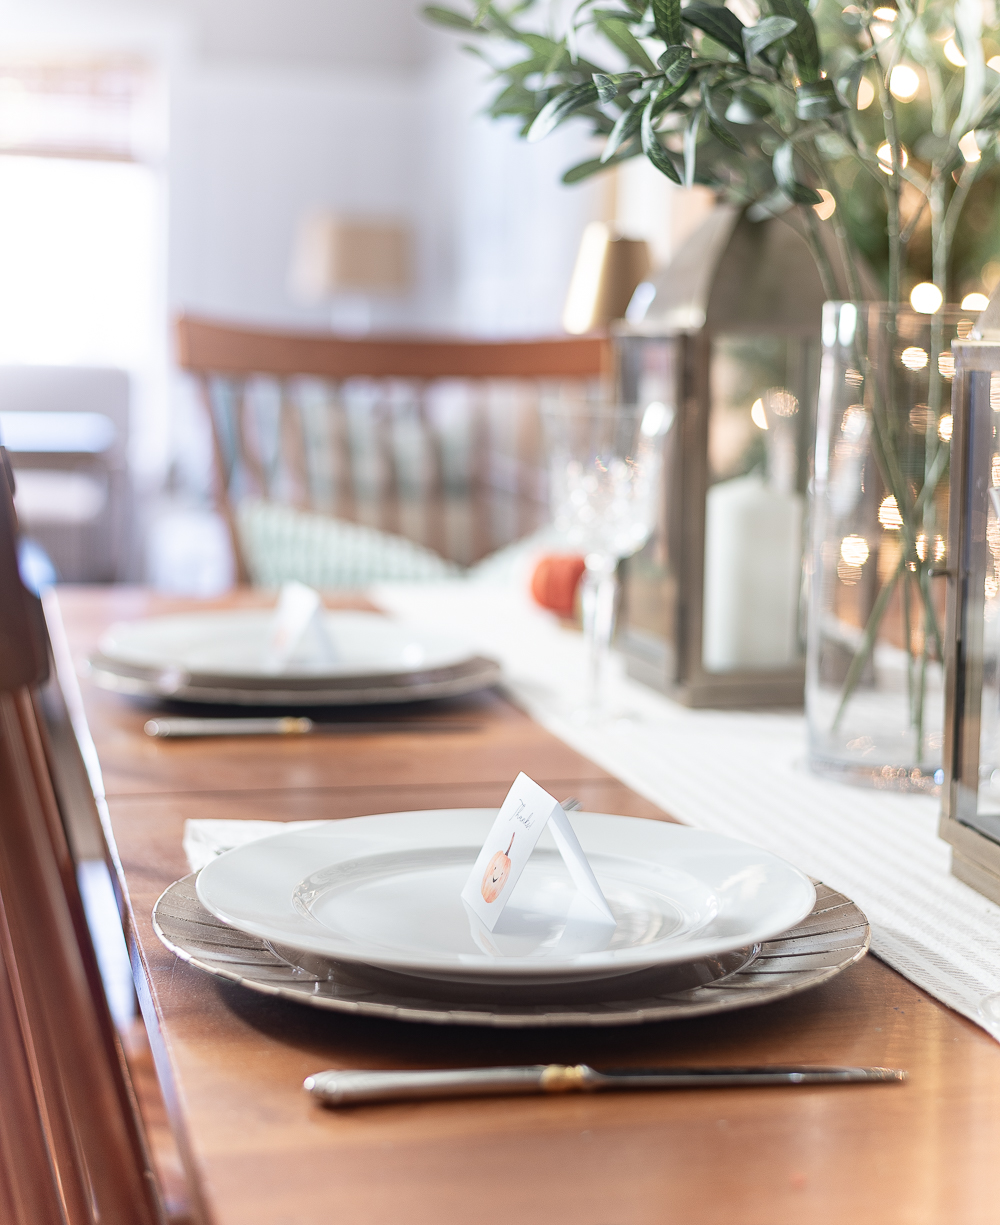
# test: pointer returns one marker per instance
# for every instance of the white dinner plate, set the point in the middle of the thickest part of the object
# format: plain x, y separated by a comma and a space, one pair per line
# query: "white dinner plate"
832, 937
383, 891
234, 644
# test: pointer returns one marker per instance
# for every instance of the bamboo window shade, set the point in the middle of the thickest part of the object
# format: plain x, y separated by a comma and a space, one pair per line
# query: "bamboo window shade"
100, 109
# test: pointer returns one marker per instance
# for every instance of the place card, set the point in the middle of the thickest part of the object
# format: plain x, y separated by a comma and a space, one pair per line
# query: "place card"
526, 811
297, 630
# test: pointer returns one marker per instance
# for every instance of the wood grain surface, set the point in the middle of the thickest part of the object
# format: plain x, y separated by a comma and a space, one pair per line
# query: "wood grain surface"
259, 1152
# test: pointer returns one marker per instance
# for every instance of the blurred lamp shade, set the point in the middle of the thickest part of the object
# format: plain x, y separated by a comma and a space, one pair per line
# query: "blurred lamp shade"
608, 268
347, 255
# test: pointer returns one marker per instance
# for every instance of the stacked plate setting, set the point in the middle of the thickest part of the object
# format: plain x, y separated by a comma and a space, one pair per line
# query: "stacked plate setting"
368, 910
220, 658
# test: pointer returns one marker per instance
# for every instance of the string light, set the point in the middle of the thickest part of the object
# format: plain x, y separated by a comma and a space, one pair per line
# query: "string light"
854, 550
884, 155
953, 54
903, 82
913, 357
926, 298
969, 147
975, 302
889, 516
827, 205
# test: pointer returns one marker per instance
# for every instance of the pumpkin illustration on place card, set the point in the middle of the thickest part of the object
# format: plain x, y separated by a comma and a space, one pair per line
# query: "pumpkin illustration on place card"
497, 871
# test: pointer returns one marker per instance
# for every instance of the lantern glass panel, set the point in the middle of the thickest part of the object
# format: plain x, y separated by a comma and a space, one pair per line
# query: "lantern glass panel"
760, 399
970, 795
979, 593
650, 374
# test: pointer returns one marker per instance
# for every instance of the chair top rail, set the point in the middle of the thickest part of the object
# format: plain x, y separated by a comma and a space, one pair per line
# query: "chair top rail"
206, 347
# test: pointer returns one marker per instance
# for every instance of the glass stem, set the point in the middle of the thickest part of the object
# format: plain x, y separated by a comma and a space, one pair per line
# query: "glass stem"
598, 599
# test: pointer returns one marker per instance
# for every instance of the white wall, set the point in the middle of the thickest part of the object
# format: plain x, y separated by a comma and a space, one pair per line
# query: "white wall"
254, 148
501, 229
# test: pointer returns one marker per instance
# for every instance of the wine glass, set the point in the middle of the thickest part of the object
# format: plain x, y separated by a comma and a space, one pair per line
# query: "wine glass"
605, 464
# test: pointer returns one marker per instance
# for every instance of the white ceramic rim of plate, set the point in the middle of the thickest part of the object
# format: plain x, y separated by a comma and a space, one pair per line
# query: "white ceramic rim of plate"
599, 833
119, 645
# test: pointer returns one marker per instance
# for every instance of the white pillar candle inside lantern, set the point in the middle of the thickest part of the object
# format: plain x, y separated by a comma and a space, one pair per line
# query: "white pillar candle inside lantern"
753, 552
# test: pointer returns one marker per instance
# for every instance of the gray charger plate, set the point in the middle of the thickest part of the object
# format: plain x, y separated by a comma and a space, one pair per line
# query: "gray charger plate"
134, 680
832, 937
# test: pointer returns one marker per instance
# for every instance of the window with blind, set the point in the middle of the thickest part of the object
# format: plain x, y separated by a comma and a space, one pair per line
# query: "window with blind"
81, 214
99, 109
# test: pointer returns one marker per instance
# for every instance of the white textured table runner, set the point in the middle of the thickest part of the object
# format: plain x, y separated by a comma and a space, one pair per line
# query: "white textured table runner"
744, 774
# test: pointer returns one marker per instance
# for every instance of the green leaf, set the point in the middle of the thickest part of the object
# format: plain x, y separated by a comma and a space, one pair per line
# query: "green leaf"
607, 87
514, 100
675, 62
481, 11
783, 164
722, 133
817, 100
802, 43
765, 34
626, 126
583, 170
448, 17
718, 23
651, 145
545, 50
561, 107
667, 20
747, 106
617, 32
609, 84
691, 147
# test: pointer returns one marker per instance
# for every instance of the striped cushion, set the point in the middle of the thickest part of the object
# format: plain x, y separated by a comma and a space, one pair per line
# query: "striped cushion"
281, 544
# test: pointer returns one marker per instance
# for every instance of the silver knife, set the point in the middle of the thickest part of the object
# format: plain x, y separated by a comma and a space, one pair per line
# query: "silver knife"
351, 1088
188, 728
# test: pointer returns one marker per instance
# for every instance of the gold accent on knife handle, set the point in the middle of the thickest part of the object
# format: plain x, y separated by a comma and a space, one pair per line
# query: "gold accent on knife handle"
560, 1078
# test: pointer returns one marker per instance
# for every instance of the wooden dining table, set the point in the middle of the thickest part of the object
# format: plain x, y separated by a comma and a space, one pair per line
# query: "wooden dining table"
258, 1150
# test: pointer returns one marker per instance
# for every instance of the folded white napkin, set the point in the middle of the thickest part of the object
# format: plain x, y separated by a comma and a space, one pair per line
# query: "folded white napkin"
205, 839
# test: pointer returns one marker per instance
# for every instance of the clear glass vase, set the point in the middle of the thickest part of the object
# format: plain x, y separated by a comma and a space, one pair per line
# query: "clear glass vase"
874, 678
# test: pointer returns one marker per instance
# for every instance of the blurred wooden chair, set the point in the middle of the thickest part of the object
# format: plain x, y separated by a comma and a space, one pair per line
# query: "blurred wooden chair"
71, 1149
437, 441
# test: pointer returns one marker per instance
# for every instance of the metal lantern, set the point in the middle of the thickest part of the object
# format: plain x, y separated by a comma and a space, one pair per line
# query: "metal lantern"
970, 793
729, 340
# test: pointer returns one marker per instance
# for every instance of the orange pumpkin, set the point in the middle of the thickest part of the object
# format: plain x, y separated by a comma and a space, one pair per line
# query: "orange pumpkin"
555, 580
497, 871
